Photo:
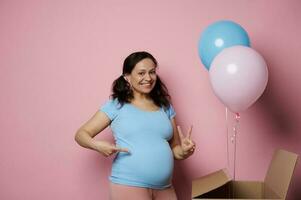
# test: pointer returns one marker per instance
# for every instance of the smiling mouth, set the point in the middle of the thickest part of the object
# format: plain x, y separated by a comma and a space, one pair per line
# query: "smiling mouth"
146, 83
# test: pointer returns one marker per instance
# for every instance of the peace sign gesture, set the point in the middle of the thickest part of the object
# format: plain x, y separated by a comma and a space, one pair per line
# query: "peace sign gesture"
186, 143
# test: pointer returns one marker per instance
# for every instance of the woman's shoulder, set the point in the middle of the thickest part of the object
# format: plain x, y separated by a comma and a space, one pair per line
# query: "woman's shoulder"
170, 111
111, 107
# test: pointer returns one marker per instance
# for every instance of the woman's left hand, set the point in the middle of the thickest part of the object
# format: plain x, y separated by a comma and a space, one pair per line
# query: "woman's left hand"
187, 145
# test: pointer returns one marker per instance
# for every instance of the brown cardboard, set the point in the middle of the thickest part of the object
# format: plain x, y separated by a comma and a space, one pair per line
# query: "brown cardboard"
218, 185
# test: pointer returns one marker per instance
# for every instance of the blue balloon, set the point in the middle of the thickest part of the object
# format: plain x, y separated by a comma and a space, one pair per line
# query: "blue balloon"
218, 36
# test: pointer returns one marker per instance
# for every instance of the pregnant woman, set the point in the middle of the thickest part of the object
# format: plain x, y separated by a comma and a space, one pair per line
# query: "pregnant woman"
147, 139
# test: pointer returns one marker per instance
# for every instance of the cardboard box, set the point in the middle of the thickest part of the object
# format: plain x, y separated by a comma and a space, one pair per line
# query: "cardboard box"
218, 185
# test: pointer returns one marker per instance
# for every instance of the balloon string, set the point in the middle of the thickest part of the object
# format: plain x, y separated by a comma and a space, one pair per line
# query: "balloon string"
234, 139
237, 117
227, 140
228, 160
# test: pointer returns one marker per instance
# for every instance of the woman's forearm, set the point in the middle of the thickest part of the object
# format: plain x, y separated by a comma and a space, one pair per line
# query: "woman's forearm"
84, 139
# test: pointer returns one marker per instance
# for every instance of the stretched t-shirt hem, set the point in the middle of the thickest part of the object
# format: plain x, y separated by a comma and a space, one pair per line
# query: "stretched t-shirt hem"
137, 184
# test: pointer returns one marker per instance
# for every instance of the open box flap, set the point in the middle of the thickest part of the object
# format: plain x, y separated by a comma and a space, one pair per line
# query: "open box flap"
209, 182
280, 172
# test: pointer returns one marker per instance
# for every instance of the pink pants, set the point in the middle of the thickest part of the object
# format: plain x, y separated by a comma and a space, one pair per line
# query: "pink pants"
122, 192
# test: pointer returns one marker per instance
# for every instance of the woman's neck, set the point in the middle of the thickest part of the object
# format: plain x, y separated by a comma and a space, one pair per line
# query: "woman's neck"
143, 101
141, 97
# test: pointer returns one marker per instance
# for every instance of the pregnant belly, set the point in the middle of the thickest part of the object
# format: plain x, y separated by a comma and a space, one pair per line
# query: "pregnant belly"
150, 162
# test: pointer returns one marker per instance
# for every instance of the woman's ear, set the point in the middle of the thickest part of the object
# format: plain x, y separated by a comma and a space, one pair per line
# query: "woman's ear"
126, 78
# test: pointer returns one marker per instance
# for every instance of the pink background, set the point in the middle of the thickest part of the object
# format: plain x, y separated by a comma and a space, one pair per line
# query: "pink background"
59, 58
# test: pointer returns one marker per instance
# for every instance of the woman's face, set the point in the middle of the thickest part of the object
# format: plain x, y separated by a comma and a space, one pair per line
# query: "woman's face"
143, 77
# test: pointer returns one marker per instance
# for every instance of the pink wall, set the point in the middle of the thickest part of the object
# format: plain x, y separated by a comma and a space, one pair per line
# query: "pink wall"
59, 58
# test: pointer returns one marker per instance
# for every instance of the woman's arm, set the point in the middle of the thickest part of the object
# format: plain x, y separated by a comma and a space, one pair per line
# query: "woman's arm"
182, 147
85, 134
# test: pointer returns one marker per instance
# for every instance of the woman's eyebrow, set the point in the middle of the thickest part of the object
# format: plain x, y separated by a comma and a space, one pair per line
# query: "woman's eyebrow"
153, 69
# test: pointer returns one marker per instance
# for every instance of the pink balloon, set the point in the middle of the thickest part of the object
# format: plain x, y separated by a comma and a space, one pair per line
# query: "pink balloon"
238, 76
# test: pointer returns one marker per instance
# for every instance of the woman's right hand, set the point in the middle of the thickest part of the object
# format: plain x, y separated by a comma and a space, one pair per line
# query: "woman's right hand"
107, 149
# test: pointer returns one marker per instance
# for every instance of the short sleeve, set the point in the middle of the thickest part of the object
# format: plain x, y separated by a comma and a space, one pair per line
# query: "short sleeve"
110, 108
171, 112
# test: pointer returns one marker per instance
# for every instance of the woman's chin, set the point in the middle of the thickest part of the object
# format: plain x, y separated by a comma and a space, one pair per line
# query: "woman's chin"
146, 90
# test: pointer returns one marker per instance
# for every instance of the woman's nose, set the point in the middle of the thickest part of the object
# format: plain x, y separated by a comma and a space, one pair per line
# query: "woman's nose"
148, 77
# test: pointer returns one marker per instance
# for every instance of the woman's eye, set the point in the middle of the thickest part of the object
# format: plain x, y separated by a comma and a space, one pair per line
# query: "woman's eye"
141, 73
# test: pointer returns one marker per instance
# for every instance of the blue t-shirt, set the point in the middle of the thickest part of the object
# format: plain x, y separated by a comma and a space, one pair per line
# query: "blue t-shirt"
145, 134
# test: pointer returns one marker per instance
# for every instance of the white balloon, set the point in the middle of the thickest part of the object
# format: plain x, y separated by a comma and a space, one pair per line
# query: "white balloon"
238, 76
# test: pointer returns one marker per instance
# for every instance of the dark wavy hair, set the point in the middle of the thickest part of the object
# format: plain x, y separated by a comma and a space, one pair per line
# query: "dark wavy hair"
121, 89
